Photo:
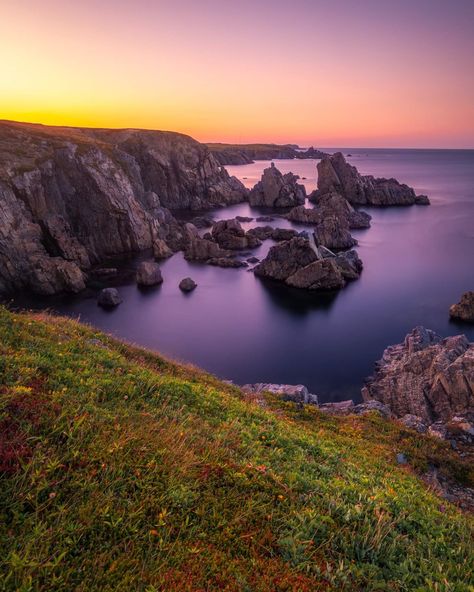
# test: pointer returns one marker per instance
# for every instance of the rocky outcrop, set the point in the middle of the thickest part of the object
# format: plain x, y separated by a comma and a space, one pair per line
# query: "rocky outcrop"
296, 393
276, 234
149, 274
187, 285
229, 234
464, 309
247, 153
202, 249
425, 376
71, 198
109, 298
299, 264
337, 175
276, 190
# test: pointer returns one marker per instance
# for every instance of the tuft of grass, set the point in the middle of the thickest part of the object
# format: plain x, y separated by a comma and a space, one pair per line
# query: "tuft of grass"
122, 470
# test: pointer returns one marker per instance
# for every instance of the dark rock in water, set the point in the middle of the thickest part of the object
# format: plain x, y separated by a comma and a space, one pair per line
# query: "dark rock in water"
337, 175
109, 298
261, 232
187, 284
203, 222
202, 249
283, 234
333, 234
349, 263
425, 376
73, 198
464, 310
104, 272
229, 234
243, 218
253, 259
277, 190
149, 274
265, 219
227, 262
323, 274
285, 259
297, 393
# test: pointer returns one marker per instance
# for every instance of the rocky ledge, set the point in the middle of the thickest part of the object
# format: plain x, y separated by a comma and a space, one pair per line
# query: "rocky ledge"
428, 382
300, 264
464, 309
247, 153
276, 190
335, 174
70, 198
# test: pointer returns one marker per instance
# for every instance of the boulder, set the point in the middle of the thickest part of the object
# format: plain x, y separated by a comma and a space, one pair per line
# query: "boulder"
187, 285
202, 249
335, 174
285, 259
149, 274
276, 190
229, 234
464, 309
319, 275
227, 262
333, 233
109, 298
426, 376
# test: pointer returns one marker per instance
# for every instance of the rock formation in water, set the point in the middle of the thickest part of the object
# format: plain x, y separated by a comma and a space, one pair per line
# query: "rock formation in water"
187, 285
464, 309
427, 377
275, 190
149, 274
70, 198
299, 264
235, 154
337, 175
229, 234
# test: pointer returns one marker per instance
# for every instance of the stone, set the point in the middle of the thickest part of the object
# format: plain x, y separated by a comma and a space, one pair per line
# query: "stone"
202, 249
426, 376
243, 218
288, 392
276, 190
265, 219
109, 298
464, 309
333, 234
227, 262
149, 274
338, 407
402, 459
319, 275
203, 221
253, 259
285, 259
413, 422
187, 285
230, 235
335, 174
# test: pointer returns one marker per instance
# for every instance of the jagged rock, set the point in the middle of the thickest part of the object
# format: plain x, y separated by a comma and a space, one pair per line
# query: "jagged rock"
319, 275
229, 234
349, 264
414, 423
253, 259
370, 406
72, 198
288, 392
338, 407
464, 310
426, 376
109, 298
276, 190
187, 284
227, 262
149, 274
261, 232
337, 175
161, 249
333, 233
283, 234
203, 222
202, 249
285, 259
243, 218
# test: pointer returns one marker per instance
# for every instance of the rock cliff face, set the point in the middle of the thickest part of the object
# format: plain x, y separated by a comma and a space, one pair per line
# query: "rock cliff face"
425, 376
276, 190
464, 309
248, 153
70, 198
337, 175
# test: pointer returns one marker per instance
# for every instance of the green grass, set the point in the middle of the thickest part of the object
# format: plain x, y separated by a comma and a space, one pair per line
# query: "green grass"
125, 471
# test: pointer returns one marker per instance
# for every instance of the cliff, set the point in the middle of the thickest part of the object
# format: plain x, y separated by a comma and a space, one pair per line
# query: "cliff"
121, 470
248, 153
70, 198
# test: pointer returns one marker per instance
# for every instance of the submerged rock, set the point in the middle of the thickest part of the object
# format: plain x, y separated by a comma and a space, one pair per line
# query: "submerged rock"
276, 190
109, 298
464, 309
425, 376
337, 175
149, 274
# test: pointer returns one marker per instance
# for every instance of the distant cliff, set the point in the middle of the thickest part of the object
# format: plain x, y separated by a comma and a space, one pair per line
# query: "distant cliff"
247, 153
70, 198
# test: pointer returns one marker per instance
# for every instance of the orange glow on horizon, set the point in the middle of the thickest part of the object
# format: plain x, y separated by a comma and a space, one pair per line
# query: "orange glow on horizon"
123, 64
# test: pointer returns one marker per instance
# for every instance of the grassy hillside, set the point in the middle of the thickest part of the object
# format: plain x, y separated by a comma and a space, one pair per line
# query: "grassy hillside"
123, 471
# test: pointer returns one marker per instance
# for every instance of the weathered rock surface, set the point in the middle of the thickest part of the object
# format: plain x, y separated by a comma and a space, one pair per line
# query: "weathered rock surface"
276, 234
229, 234
337, 175
299, 264
149, 274
248, 153
464, 309
187, 284
297, 393
70, 198
425, 376
109, 298
227, 262
276, 190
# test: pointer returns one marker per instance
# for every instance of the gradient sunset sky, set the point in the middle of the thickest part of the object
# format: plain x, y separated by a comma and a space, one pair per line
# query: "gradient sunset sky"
323, 72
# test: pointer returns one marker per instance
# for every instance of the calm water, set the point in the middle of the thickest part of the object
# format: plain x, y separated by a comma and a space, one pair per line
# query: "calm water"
417, 261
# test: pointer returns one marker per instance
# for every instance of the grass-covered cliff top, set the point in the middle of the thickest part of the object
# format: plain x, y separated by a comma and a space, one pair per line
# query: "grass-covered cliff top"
123, 471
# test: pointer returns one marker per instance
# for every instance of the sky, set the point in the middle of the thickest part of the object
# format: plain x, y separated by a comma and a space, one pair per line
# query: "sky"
372, 73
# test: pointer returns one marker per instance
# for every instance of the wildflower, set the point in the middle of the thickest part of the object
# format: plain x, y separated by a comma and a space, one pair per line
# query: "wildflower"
281, 497
154, 532
52, 495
